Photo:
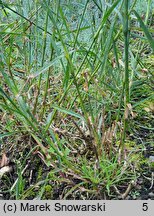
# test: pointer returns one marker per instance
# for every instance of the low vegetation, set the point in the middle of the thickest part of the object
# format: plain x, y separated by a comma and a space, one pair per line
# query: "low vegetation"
76, 99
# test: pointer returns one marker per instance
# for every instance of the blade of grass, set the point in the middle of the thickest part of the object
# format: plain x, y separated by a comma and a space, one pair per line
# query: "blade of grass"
68, 112
145, 29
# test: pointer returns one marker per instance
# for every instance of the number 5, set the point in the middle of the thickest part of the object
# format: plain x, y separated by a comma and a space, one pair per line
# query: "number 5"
145, 207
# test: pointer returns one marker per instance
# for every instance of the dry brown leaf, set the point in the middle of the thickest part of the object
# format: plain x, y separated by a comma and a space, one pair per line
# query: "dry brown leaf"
129, 111
4, 161
126, 112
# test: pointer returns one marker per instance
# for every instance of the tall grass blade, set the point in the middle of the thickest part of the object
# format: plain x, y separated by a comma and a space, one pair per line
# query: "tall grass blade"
145, 29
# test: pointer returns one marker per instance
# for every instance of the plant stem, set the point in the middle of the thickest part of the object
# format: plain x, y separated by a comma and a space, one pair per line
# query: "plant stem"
126, 37
42, 63
126, 80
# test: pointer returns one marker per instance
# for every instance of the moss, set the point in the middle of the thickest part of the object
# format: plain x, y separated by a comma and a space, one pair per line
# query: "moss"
31, 194
39, 176
48, 192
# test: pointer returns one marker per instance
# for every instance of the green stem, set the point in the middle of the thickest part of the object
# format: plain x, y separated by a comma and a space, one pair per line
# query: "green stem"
126, 81
42, 62
126, 37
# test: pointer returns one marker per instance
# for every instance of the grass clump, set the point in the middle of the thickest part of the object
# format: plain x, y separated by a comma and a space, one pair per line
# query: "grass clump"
70, 90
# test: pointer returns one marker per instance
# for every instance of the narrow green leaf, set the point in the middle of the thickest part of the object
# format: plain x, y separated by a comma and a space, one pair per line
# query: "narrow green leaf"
105, 17
145, 29
68, 112
6, 134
